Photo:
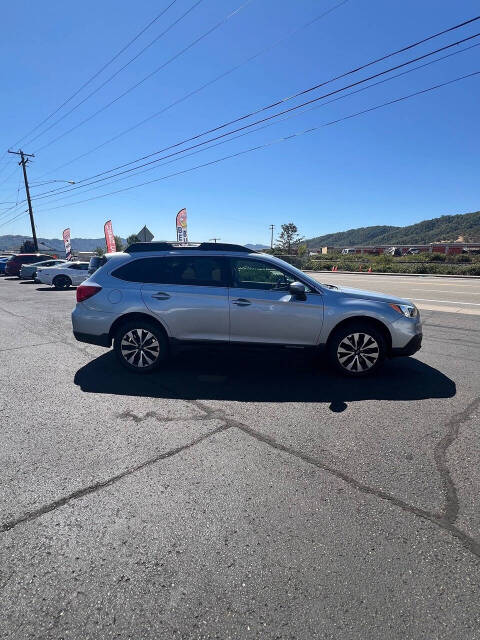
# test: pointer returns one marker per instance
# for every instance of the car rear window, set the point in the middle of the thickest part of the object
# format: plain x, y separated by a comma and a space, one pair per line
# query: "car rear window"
206, 271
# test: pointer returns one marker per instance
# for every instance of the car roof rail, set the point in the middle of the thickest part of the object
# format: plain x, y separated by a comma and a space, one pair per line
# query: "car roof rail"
139, 247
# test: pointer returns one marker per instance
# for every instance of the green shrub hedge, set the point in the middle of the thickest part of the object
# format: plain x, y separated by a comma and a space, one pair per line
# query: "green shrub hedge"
398, 267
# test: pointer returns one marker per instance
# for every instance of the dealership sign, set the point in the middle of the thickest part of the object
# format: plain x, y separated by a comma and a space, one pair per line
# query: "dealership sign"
181, 223
109, 237
66, 242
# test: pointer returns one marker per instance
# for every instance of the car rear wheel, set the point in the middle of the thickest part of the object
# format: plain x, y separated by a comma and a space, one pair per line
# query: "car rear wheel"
140, 346
357, 349
62, 282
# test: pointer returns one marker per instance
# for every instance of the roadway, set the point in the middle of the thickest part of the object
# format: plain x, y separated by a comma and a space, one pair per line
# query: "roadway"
454, 295
238, 496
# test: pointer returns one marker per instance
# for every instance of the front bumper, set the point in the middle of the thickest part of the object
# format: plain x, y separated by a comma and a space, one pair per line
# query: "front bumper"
412, 346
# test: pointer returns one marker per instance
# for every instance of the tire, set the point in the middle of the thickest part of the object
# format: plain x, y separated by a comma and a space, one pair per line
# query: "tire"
62, 282
138, 333
357, 349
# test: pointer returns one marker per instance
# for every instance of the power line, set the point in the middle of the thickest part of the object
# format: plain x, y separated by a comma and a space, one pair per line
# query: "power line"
203, 86
114, 75
303, 92
265, 126
272, 142
95, 75
147, 77
24, 213
5, 180
79, 183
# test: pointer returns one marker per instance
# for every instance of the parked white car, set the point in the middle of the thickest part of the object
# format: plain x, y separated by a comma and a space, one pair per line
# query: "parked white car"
29, 271
63, 276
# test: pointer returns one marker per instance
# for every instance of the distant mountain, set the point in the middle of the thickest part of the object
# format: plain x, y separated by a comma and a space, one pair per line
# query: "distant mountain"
56, 244
257, 247
448, 228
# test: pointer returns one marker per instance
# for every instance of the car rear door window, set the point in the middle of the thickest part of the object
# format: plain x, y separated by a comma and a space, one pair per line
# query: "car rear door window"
206, 271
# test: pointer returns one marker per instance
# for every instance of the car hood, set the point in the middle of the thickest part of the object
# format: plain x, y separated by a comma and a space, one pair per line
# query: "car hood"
369, 295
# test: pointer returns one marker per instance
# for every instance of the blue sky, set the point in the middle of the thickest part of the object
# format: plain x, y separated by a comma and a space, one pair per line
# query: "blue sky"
398, 165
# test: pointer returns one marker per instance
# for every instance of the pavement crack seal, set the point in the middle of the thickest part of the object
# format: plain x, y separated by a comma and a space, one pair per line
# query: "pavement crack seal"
440, 521
102, 484
440, 454
30, 346
130, 415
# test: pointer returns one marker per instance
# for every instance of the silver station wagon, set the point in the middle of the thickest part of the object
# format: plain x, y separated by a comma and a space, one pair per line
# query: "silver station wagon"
157, 295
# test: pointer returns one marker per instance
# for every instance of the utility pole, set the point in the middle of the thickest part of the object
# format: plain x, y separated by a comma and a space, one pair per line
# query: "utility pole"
272, 227
23, 162
214, 240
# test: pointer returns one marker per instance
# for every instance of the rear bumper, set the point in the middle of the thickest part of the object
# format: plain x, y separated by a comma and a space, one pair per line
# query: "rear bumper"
102, 340
412, 346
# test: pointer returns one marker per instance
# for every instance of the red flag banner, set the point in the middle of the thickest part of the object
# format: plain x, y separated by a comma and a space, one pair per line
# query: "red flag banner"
181, 224
66, 242
109, 237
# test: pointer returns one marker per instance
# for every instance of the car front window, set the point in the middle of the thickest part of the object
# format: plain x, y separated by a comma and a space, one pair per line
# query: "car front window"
256, 274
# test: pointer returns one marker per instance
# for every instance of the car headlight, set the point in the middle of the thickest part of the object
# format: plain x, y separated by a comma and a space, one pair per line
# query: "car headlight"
407, 310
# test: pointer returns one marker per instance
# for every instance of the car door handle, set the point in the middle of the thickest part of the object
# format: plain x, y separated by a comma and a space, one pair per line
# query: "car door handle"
161, 296
241, 302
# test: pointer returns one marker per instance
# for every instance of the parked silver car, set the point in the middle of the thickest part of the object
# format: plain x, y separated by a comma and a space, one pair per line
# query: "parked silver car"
29, 271
156, 295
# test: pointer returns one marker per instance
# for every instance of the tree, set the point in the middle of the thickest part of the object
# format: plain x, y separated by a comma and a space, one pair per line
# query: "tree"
27, 247
118, 244
99, 251
132, 238
302, 250
289, 238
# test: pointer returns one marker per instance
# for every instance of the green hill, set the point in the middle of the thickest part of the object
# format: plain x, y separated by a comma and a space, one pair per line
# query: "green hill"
444, 228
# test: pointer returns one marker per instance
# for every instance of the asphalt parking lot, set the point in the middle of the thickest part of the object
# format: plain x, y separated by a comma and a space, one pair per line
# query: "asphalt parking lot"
239, 495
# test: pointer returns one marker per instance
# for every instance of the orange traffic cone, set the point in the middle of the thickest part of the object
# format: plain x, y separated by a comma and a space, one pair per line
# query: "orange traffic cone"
333, 268
370, 270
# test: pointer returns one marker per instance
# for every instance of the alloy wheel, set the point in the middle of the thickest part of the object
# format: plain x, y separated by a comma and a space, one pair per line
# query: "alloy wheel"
358, 352
140, 348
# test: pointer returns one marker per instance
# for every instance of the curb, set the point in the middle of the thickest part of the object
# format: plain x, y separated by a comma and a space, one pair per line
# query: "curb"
380, 273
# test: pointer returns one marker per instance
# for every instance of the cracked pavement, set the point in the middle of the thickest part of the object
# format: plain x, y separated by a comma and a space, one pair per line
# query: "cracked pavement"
235, 496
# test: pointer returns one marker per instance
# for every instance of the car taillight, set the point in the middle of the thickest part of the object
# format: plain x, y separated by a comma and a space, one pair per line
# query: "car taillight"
85, 291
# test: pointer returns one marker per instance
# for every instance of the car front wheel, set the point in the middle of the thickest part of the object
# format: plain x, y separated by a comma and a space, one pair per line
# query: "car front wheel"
140, 346
357, 350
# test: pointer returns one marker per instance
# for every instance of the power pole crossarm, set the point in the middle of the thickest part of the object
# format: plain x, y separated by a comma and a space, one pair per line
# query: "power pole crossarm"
23, 163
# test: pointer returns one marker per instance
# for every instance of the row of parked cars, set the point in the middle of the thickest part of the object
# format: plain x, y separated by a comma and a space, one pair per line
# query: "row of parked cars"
44, 269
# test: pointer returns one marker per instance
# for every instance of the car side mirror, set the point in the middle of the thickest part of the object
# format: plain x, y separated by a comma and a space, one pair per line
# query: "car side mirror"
297, 289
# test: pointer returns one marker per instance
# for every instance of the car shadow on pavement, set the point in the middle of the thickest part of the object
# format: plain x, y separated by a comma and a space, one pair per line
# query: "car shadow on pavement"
245, 376
57, 290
